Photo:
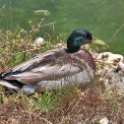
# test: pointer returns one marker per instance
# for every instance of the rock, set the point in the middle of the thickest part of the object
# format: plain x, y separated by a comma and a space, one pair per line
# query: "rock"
38, 42
59, 45
110, 69
121, 66
104, 121
109, 57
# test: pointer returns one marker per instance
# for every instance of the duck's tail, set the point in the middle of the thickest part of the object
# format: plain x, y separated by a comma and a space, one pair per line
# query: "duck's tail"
12, 84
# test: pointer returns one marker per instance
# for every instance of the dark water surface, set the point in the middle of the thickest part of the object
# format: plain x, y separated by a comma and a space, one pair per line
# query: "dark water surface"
101, 17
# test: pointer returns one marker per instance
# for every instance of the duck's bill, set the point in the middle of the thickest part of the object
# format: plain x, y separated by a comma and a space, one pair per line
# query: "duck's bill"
97, 41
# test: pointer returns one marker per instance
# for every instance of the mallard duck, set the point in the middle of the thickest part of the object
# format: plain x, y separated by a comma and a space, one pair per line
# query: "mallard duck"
57, 67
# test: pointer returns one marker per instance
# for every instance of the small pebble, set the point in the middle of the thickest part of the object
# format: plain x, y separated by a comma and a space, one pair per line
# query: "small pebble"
104, 121
39, 41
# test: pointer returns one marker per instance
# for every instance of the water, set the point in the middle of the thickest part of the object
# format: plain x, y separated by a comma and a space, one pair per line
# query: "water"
101, 18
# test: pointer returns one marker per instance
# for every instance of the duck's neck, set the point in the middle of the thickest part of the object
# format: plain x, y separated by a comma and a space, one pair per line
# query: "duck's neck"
73, 44
73, 49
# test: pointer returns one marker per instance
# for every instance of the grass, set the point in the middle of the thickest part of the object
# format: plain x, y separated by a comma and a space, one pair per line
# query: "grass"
63, 106
69, 105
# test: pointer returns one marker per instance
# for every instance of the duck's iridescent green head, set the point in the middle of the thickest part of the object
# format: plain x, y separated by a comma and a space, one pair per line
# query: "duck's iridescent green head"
79, 37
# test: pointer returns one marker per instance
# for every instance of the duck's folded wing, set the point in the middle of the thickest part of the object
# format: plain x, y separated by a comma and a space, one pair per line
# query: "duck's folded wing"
35, 61
51, 65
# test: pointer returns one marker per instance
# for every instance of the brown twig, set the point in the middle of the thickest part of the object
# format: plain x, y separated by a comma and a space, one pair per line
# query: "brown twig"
2, 7
66, 117
117, 31
38, 115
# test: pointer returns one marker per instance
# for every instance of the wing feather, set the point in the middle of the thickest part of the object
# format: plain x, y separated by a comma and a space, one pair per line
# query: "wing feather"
47, 66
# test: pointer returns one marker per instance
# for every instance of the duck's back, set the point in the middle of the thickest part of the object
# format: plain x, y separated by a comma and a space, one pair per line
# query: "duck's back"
54, 63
